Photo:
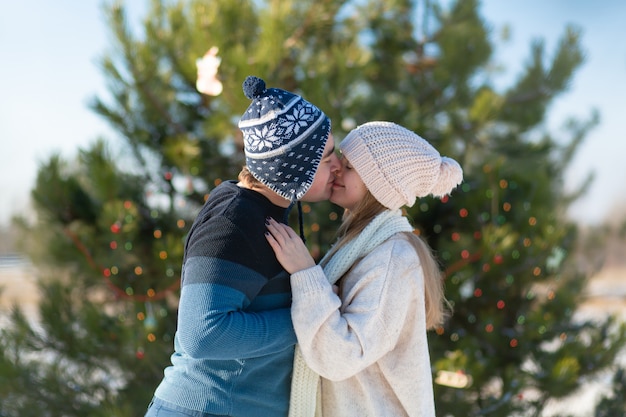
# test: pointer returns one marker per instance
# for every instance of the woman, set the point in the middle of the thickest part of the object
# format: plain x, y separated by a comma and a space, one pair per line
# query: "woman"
368, 342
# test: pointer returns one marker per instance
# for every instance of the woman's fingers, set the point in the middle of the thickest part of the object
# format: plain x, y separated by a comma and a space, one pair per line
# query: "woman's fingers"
290, 250
272, 241
279, 231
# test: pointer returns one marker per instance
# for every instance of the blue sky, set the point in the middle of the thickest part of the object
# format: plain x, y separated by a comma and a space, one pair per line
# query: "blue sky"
49, 52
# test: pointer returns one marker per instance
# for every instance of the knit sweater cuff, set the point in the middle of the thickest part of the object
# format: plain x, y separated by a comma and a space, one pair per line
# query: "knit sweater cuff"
308, 281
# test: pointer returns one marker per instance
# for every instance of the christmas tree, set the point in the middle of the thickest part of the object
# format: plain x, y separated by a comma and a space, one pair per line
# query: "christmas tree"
110, 226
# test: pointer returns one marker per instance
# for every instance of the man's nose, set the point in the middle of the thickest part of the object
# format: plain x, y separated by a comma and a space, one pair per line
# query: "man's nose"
336, 164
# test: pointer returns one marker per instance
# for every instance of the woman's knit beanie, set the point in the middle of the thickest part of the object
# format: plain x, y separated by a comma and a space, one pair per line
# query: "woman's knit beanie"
284, 137
397, 165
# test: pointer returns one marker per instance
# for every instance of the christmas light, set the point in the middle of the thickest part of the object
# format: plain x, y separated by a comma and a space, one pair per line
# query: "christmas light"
116, 227
150, 323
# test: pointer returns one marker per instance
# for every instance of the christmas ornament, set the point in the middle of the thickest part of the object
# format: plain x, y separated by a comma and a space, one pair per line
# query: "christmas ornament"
207, 82
453, 379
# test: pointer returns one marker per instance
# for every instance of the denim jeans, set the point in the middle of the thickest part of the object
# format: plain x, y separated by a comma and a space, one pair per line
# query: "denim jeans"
160, 408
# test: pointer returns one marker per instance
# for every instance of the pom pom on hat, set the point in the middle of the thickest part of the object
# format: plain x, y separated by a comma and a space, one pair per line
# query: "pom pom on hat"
284, 137
397, 165
253, 87
450, 175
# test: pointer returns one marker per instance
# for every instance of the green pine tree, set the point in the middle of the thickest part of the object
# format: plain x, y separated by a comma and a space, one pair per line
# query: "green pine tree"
110, 230
614, 404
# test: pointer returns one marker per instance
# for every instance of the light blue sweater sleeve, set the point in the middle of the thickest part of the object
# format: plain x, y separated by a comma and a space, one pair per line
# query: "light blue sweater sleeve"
216, 320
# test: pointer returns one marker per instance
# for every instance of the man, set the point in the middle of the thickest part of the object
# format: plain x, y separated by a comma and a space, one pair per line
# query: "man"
234, 344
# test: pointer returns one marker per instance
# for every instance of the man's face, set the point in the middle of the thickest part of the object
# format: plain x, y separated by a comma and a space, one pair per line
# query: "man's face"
321, 188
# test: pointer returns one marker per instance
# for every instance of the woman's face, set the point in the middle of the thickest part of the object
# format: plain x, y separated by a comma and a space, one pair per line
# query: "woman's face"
348, 189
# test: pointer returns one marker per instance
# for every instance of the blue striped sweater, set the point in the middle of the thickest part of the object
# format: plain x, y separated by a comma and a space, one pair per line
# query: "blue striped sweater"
234, 344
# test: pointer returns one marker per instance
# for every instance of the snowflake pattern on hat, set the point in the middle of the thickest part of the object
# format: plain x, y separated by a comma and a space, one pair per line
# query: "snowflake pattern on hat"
265, 138
301, 117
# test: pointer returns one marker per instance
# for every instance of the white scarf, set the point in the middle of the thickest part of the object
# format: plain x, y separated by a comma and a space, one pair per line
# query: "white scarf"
304, 382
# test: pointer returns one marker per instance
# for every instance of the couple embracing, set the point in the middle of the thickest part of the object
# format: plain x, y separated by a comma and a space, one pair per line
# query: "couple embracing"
264, 331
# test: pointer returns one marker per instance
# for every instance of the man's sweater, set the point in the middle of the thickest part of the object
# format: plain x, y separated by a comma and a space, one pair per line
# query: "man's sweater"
234, 343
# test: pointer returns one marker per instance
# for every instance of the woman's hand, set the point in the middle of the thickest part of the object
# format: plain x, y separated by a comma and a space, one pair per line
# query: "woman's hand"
290, 250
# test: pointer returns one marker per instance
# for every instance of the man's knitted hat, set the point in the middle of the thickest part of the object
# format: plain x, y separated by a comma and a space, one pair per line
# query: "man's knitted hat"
284, 138
397, 165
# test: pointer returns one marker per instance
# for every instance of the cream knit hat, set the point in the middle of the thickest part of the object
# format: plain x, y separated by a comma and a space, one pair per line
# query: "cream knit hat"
397, 166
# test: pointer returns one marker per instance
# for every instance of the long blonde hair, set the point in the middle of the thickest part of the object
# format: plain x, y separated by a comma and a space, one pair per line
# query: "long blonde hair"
437, 307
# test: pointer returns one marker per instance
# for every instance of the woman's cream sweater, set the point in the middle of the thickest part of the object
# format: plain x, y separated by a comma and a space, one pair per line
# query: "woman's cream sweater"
370, 346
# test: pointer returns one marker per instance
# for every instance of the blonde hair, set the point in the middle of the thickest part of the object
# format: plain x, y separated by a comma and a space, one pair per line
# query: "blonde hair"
437, 307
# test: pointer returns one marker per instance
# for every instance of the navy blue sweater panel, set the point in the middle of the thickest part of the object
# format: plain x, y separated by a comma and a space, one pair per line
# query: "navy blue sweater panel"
232, 227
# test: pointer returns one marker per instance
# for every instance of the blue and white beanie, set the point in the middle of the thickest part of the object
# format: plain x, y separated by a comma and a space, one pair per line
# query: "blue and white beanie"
284, 137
